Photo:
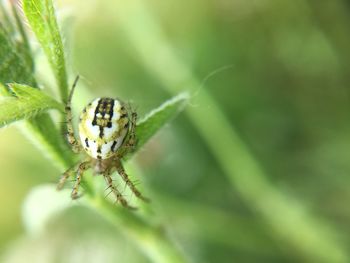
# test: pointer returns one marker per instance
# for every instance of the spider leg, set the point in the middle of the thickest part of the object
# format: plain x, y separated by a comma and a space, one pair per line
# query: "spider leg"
75, 144
131, 140
115, 191
81, 169
65, 176
130, 184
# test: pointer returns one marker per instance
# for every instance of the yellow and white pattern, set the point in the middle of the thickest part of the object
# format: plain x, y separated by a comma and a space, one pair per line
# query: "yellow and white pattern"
103, 127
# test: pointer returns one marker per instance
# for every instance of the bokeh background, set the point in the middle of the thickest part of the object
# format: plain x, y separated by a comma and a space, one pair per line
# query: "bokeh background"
279, 73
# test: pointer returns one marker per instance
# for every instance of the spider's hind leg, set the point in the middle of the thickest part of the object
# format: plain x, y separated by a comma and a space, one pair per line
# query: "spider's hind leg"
118, 195
81, 169
65, 176
130, 184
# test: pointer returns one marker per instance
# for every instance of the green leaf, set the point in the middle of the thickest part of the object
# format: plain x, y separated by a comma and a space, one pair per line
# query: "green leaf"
158, 117
17, 66
42, 19
26, 103
4, 92
13, 67
23, 46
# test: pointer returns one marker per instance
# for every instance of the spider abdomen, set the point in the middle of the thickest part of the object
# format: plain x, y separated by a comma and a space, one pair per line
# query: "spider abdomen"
103, 126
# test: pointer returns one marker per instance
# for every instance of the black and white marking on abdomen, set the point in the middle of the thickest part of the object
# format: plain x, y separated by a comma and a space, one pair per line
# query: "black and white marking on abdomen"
103, 127
103, 115
113, 146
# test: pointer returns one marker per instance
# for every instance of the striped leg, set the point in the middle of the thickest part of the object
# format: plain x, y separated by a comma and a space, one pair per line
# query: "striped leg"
130, 184
81, 169
132, 138
130, 141
76, 147
66, 175
115, 191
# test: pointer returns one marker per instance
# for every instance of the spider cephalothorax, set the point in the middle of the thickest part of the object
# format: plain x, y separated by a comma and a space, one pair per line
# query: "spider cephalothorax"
107, 132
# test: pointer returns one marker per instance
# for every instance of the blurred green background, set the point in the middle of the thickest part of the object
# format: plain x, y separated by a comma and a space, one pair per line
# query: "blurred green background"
279, 72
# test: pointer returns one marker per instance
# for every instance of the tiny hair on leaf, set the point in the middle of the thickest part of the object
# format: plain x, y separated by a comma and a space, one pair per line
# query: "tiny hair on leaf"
25, 103
42, 19
158, 117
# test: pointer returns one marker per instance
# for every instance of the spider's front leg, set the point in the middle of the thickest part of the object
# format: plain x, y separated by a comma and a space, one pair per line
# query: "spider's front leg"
131, 143
118, 195
75, 144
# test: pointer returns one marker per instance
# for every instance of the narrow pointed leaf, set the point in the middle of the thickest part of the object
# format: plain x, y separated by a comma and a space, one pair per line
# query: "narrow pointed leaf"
13, 67
24, 45
158, 117
42, 19
27, 102
17, 65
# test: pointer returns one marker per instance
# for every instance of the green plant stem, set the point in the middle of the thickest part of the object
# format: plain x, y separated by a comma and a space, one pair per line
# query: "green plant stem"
315, 239
48, 140
152, 240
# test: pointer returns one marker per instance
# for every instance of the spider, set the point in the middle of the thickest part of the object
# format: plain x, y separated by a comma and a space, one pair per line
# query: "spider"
107, 133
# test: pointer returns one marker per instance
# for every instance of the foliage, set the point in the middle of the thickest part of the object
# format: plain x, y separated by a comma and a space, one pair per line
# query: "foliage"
158, 117
255, 170
18, 67
25, 103
42, 19
21, 101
